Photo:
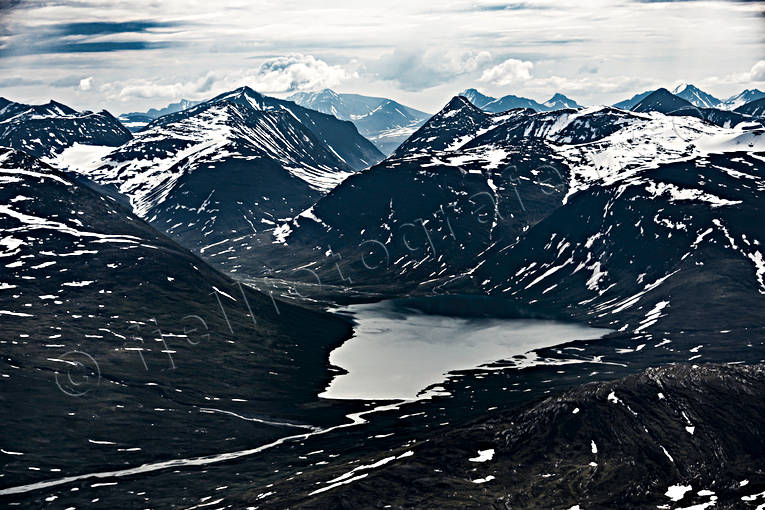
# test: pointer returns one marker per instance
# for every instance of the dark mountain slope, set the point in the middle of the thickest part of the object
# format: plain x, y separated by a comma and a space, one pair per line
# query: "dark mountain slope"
458, 120
589, 257
473, 179
662, 439
554, 212
661, 100
755, 108
121, 338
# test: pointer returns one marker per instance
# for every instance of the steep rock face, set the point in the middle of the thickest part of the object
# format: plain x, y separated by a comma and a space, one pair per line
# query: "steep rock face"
661, 438
46, 130
697, 97
120, 337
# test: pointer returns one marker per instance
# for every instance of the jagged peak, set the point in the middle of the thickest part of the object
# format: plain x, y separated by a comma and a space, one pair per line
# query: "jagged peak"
243, 91
459, 102
475, 95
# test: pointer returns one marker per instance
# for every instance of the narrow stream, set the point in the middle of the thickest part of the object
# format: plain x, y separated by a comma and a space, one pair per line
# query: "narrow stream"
397, 352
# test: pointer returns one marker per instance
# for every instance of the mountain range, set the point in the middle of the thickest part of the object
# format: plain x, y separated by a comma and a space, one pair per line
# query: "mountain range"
665, 102
538, 207
46, 130
690, 93
136, 121
161, 376
383, 121
214, 175
490, 104
699, 98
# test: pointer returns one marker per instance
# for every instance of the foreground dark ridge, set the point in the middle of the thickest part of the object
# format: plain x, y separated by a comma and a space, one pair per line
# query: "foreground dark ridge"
121, 348
669, 437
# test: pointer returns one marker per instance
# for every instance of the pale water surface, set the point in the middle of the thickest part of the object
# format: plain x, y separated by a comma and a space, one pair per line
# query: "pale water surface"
396, 353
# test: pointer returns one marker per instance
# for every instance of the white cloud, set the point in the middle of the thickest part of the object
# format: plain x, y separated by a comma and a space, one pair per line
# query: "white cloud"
444, 47
276, 75
466, 61
416, 69
86, 83
148, 89
746, 79
508, 72
295, 72
598, 84
757, 73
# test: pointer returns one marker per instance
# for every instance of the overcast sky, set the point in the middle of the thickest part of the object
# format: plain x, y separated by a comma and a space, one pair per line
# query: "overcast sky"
128, 55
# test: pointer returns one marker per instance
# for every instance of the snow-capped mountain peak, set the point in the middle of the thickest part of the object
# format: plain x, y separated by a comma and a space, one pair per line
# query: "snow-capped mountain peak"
46, 130
746, 96
383, 121
477, 98
696, 96
240, 124
224, 170
559, 101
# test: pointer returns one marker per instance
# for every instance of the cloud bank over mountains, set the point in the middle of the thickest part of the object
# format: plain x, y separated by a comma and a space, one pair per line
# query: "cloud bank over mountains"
150, 53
